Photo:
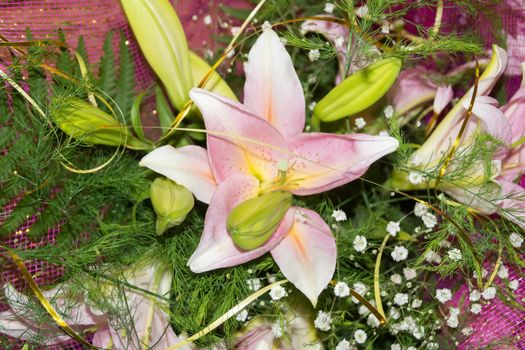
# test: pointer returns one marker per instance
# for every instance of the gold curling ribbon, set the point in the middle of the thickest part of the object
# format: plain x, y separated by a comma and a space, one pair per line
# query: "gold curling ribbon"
45, 303
230, 313
377, 290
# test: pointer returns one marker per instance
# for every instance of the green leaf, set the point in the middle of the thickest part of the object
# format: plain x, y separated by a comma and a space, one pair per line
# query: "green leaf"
236, 12
163, 110
81, 49
126, 80
136, 123
107, 72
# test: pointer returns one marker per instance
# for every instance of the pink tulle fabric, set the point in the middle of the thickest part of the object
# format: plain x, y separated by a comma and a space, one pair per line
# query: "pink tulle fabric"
94, 18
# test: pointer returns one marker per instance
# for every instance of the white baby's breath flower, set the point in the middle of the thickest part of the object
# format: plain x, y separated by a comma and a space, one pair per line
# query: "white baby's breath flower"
401, 299
278, 292
475, 308
474, 295
339, 41
432, 346
394, 313
416, 303
207, 20
360, 123
429, 220
322, 321
409, 273
420, 209
329, 7
235, 30
415, 178
278, 329
489, 293
359, 288
443, 295
503, 272
467, 331
416, 160
454, 254
314, 55
385, 28
372, 321
432, 257
452, 321
393, 228
254, 284
360, 336
484, 273
411, 348
339, 215
341, 290
311, 107
388, 111
515, 239
514, 284
343, 345
399, 253
242, 315
396, 278
360, 243
395, 346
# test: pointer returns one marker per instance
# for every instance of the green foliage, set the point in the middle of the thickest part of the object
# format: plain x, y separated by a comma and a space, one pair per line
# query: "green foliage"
126, 78
107, 70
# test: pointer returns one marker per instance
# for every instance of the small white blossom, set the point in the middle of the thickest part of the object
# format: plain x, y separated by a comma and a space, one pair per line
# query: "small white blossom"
401, 299
266, 25
432, 346
278, 329
400, 253
475, 308
475, 295
329, 7
363, 310
385, 28
254, 284
207, 20
452, 321
339, 215
454, 254
359, 288
416, 160
360, 243
311, 107
322, 321
443, 295
388, 111
341, 290
393, 228
415, 178
372, 321
339, 41
489, 293
516, 240
242, 315
411, 348
503, 272
416, 303
314, 55
432, 257
467, 331
514, 284
360, 123
420, 209
360, 336
409, 273
394, 313
343, 345
235, 30
429, 220
396, 278
278, 292
395, 346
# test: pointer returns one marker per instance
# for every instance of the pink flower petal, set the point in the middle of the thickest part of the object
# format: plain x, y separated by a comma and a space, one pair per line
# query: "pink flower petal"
239, 141
216, 248
443, 97
325, 161
410, 90
513, 205
273, 90
188, 166
307, 254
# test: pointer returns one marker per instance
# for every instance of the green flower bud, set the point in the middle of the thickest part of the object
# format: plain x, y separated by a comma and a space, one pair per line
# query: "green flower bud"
359, 91
172, 203
89, 124
252, 222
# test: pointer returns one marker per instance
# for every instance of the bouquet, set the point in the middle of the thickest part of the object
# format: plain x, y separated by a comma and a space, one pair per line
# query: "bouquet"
340, 175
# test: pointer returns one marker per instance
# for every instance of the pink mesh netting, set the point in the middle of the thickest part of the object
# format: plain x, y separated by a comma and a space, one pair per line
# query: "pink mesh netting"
94, 18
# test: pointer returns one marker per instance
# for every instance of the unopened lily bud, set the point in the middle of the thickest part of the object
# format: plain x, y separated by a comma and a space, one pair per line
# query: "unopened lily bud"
359, 91
172, 203
252, 222
84, 122
161, 37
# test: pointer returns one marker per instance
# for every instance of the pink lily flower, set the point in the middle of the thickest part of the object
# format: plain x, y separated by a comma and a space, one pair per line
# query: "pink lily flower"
410, 90
258, 147
150, 328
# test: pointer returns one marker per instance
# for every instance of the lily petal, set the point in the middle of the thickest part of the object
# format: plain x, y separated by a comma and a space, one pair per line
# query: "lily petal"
513, 205
239, 141
216, 248
410, 90
307, 254
443, 97
324, 161
273, 90
187, 166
